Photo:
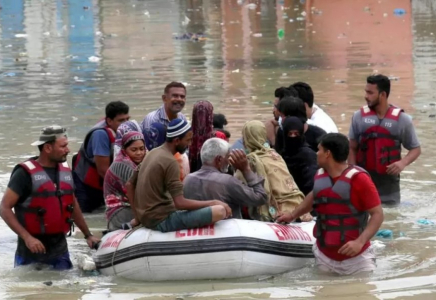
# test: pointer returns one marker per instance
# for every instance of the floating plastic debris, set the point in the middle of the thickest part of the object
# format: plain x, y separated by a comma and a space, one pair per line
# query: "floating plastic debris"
257, 34
425, 222
251, 6
186, 21
280, 34
94, 59
191, 37
21, 35
394, 78
385, 233
235, 71
147, 13
399, 11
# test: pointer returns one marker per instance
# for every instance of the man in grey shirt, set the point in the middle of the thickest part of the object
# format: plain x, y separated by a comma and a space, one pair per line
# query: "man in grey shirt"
377, 132
212, 182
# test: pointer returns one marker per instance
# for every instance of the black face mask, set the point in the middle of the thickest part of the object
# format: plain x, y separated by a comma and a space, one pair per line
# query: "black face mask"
293, 144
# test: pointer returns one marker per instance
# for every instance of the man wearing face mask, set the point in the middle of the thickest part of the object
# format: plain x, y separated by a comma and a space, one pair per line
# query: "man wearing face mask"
299, 157
174, 100
213, 182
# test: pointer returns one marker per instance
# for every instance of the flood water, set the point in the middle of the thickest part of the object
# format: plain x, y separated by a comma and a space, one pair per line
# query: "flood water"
47, 77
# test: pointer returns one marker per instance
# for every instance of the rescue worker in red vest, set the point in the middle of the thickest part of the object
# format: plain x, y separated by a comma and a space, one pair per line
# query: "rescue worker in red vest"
377, 132
344, 197
95, 157
41, 192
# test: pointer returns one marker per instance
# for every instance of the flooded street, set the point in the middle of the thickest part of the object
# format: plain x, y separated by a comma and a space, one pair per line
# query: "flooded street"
62, 61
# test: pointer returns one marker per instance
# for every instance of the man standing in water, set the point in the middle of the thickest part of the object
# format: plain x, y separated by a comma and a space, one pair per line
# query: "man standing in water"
174, 100
95, 157
41, 193
376, 134
343, 197
158, 196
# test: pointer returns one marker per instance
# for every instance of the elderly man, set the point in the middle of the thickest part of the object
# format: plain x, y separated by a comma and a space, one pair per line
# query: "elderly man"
212, 182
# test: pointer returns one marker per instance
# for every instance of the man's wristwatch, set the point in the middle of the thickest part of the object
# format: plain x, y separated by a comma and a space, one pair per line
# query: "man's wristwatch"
88, 235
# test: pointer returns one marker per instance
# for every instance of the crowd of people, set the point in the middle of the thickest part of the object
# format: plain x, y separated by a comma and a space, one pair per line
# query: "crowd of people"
167, 174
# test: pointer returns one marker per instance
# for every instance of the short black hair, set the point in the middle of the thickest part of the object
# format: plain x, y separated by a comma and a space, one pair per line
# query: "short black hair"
338, 144
305, 92
283, 92
219, 121
40, 147
293, 107
383, 83
116, 108
174, 84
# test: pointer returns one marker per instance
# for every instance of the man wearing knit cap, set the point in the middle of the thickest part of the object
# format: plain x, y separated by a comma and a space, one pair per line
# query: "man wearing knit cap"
158, 191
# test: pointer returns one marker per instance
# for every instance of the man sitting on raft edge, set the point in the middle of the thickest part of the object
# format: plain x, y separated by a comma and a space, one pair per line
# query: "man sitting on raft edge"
158, 192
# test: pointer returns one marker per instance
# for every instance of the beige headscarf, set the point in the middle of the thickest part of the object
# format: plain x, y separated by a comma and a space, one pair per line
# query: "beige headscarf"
279, 185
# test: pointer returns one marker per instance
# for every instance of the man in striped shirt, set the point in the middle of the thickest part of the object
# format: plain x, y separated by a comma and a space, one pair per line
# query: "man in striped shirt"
174, 99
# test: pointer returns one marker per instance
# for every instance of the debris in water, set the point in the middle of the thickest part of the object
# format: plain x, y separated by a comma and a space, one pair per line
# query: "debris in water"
86, 7
94, 59
385, 233
280, 34
186, 21
47, 33
9, 74
432, 116
340, 81
266, 102
300, 19
240, 2
21, 35
235, 71
235, 100
394, 78
251, 6
48, 283
257, 34
98, 33
291, 20
146, 13
432, 104
366, 9
425, 222
399, 11
191, 37
385, 15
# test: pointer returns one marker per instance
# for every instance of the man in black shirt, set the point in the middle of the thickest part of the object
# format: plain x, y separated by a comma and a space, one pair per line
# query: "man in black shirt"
41, 192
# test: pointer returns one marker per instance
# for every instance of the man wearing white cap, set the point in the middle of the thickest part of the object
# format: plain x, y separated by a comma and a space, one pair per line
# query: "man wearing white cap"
41, 192
158, 197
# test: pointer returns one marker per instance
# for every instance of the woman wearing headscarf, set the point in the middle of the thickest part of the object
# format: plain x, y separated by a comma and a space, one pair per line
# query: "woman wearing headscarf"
118, 210
282, 191
124, 128
155, 136
299, 157
202, 128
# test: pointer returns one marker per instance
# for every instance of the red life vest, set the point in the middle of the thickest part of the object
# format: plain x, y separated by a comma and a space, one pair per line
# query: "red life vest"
379, 142
49, 208
85, 167
338, 220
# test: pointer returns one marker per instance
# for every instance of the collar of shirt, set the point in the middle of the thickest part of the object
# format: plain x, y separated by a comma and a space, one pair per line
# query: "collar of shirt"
210, 169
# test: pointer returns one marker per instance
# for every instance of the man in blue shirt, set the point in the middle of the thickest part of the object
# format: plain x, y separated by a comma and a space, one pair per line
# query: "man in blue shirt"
174, 100
95, 156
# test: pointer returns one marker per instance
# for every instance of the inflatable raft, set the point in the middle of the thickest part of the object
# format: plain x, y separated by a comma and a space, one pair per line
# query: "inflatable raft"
228, 249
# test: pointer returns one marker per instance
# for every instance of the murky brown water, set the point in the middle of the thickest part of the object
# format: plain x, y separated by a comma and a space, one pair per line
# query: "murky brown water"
46, 78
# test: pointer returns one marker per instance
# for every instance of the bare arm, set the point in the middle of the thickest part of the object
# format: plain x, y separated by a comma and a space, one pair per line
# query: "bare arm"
373, 226
182, 203
79, 220
102, 163
411, 156
353, 152
304, 208
10, 199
